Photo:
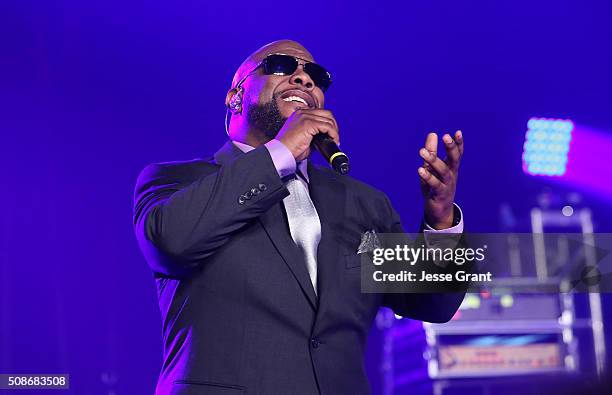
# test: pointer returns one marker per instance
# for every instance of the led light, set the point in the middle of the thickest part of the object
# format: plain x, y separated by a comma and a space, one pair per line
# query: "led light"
506, 301
547, 143
471, 301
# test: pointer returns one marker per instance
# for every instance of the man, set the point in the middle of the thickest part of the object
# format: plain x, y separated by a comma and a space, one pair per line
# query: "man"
255, 251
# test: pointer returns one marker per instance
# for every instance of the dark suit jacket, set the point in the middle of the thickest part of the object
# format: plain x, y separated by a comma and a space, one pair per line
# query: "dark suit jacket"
239, 312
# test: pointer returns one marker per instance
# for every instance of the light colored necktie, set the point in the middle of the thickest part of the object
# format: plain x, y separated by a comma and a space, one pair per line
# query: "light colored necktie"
304, 224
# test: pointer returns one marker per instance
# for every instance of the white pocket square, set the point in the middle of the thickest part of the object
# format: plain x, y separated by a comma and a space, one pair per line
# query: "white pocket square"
369, 242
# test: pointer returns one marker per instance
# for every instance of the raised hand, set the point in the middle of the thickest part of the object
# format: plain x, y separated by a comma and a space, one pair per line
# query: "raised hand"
439, 178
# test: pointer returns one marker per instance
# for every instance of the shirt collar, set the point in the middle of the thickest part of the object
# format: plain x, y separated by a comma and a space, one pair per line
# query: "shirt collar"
302, 166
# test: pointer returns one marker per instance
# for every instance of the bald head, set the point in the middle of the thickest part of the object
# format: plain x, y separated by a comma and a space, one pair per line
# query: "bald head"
261, 106
288, 47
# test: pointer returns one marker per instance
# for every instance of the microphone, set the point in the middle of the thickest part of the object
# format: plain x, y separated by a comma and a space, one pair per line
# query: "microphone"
332, 154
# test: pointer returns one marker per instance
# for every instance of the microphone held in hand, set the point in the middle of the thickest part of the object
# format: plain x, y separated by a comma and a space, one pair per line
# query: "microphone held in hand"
332, 154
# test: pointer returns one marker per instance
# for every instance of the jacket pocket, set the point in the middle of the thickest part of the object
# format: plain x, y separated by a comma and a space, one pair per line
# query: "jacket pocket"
196, 387
352, 260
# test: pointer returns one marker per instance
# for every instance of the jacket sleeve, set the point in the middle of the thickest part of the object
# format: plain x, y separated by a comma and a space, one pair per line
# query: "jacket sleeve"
429, 307
181, 216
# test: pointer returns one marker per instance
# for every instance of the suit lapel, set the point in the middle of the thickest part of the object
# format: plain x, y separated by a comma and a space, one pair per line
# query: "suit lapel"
276, 226
329, 197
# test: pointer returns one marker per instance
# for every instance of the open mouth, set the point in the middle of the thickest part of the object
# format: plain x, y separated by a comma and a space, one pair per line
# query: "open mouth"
295, 98
298, 96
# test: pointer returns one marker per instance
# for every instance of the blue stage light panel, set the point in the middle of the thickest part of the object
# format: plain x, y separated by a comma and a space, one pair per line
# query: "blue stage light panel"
546, 148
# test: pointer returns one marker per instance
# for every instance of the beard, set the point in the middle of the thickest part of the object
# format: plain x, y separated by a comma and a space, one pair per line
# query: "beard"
266, 117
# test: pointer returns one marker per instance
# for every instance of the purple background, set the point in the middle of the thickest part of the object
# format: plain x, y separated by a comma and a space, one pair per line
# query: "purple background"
91, 93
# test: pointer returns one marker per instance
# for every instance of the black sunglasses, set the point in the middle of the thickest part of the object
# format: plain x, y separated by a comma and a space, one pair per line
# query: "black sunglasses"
281, 64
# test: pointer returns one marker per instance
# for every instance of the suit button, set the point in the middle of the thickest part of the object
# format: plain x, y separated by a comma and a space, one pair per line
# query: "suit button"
248, 195
255, 191
314, 343
262, 187
241, 200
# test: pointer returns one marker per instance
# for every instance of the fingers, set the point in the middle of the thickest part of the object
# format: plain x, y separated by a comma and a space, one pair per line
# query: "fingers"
439, 177
321, 113
322, 121
431, 143
321, 125
454, 149
318, 112
435, 165
432, 181
459, 141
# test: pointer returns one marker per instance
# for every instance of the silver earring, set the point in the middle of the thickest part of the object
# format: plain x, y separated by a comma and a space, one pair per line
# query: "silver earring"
236, 102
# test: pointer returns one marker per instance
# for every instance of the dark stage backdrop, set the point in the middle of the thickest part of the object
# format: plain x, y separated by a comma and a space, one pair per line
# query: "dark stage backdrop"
91, 92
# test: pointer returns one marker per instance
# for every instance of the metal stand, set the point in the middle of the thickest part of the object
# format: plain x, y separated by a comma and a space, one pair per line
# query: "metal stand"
540, 220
